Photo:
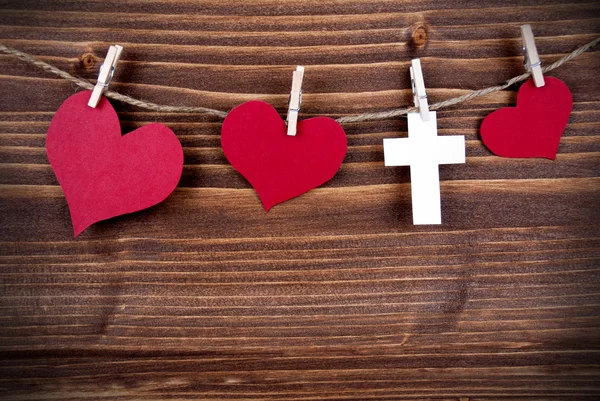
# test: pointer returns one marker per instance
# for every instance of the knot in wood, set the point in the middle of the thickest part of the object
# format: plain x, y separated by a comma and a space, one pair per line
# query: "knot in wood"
87, 60
419, 36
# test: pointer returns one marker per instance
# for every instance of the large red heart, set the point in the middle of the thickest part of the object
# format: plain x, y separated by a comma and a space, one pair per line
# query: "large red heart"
104, 174
280, 167
534, 127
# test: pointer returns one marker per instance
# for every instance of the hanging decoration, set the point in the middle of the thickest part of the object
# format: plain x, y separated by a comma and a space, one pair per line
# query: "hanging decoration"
533, 128
279, 166
423, 151
102, 173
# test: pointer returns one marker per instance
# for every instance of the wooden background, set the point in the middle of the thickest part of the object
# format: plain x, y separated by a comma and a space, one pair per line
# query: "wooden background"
334, 295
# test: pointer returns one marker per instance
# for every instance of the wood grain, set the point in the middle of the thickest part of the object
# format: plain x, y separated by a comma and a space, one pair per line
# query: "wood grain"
335, 294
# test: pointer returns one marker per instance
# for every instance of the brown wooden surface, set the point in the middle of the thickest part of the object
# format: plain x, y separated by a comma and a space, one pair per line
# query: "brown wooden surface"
333, 295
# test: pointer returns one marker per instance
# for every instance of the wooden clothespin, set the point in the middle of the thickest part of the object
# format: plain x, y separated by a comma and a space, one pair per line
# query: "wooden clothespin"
295, 101
418, 88
532, 59
106, 73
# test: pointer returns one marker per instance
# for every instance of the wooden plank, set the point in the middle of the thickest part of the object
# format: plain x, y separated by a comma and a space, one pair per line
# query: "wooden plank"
207, 297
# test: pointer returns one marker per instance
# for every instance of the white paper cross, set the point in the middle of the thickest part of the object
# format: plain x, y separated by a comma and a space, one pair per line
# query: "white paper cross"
424, 151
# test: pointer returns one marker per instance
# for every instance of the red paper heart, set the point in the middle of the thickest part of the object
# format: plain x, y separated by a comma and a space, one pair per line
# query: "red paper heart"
280, 167
534, 127
104, 174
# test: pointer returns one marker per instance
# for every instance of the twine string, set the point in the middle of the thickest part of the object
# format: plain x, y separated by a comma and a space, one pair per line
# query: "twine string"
348, 119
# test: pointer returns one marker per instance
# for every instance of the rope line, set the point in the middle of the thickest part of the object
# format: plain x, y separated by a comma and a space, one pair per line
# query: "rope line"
348, 119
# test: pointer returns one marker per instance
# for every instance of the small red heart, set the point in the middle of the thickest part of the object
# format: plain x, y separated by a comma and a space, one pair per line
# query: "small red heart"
534, 127
104, 174
280, 167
